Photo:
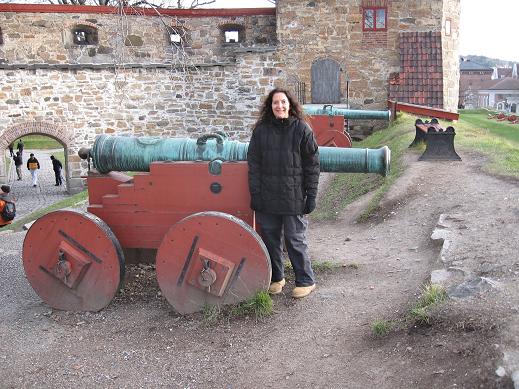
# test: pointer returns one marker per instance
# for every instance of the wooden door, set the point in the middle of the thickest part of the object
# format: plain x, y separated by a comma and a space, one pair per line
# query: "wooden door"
326, 82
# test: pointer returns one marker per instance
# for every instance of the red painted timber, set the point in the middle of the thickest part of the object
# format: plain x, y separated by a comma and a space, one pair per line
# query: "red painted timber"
188, 13
423, 110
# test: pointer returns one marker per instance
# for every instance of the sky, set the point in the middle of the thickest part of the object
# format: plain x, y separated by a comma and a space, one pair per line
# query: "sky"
487, 27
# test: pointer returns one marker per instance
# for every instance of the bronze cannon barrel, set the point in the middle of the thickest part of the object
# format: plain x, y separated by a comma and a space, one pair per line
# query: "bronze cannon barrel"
329, 109
121, 153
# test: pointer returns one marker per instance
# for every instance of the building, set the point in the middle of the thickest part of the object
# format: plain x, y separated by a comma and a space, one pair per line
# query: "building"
482, 86
73, 72
473, 77
501, 94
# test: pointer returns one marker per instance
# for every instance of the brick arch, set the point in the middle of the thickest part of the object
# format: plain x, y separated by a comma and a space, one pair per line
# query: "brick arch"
54, 130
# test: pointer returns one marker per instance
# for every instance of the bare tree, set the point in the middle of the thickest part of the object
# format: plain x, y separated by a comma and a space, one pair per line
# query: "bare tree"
138, 3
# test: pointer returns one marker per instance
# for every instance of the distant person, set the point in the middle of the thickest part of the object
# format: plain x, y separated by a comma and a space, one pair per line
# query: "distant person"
57, 166
11, 149
7, 207
33, 166
20, 146
18, 162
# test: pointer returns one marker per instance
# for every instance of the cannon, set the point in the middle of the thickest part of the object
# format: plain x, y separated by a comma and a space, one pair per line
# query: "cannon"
329, 123
186, 202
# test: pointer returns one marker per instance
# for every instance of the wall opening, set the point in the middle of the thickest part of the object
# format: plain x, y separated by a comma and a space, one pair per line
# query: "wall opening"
84, 35
177, 36
232, 33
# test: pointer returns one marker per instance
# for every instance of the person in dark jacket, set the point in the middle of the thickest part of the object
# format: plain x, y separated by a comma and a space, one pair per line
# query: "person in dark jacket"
57, 166
20, 146
18, 162
33, 165
283, 159
11, 150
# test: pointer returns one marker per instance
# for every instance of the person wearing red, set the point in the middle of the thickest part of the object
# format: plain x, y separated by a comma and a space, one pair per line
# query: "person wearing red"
5, 198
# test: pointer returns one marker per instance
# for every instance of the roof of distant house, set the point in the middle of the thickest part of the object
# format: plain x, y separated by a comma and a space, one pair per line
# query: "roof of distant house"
507, 83
470, 65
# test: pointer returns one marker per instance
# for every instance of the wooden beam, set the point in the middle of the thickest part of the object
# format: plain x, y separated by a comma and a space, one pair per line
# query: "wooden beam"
422, 110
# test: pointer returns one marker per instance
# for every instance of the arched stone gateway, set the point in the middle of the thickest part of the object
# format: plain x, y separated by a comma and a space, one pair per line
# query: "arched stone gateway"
55, 131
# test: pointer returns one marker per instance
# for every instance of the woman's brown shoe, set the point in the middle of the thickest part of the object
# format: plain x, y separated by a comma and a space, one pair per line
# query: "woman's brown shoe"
302, 291
277, 287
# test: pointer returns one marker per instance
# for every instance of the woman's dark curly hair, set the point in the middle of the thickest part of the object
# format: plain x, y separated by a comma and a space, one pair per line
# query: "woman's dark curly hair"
266, 113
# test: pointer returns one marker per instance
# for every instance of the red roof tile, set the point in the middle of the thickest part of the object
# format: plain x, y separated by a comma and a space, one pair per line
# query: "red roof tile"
421, 75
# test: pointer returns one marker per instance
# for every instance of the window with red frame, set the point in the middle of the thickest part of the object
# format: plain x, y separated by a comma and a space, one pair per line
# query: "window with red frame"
374, 18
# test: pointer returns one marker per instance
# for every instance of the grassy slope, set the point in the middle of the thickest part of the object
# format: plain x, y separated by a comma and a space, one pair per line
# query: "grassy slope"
346, 188
498, 141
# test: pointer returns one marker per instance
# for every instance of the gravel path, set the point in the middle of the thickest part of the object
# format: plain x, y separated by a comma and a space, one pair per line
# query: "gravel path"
29, 199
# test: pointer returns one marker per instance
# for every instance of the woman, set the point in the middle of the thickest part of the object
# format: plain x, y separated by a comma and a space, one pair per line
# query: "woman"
283, 160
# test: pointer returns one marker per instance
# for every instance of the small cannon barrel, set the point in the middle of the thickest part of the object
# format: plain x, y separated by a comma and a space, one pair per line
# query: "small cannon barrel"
347, 113
120, 153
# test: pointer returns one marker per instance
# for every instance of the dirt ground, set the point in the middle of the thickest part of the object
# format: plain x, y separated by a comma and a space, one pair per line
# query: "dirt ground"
324, 340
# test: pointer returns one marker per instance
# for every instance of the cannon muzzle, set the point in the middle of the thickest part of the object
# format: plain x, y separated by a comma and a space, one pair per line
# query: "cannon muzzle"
329, 109
120, 153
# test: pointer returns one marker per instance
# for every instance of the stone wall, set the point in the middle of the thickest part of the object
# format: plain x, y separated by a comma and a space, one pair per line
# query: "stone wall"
31, 38
451, 68
311, 30
53, 88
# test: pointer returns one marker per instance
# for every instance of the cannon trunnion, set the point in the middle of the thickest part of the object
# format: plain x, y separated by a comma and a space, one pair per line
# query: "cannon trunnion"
190, 209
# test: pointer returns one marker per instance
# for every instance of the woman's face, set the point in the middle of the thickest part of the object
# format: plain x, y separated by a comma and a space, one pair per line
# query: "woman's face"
280, 105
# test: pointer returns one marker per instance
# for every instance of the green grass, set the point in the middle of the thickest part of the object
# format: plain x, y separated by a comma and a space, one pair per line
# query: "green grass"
381, 327
260, 305
39, 142
346, 188
325, 266
479, 120
432, 295
318, 266
496, 140
211, 314
420, 315
71, 201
